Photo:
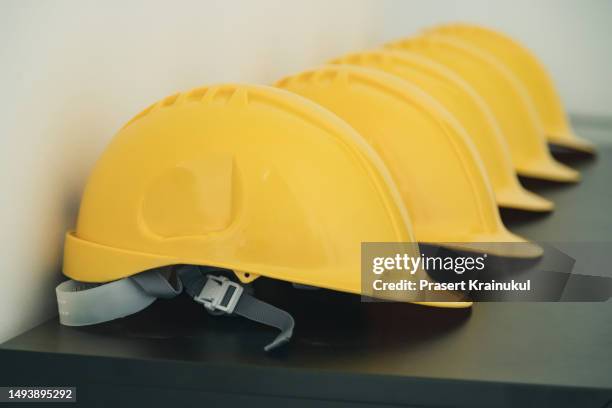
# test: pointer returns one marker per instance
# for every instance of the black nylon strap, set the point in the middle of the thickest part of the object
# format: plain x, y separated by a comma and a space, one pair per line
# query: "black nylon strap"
156, 284
264, 313
194, 279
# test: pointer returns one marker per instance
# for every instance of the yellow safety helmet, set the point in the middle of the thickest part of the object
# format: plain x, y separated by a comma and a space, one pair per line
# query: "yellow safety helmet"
533, 75
506, 97
250, 179
434, 163
460, 99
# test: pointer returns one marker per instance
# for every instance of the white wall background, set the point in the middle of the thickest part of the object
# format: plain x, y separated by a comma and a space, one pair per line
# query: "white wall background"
72, 72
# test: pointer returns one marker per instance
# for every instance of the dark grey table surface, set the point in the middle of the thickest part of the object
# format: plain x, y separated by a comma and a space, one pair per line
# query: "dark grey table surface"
346, 352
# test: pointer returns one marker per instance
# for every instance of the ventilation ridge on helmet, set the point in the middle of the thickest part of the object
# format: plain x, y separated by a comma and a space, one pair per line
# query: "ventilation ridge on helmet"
197, 94
170, 100
219, 95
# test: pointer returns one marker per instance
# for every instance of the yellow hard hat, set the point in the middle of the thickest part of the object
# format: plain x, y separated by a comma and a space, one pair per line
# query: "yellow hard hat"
250, 180
459, 98
533, 76
506, 97
227, 176
435, 165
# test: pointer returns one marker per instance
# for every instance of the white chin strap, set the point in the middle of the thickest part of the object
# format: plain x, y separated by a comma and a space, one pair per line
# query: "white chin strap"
82, 304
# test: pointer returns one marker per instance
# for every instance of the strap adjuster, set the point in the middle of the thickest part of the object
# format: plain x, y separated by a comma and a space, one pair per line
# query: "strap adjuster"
219, 294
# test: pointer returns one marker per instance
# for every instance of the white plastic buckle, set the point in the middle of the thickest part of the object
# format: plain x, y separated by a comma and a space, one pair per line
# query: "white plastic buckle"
219, 294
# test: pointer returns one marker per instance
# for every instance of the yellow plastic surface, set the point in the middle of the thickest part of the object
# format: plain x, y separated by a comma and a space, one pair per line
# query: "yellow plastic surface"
435, 165
460, 99
533, 75
249, 178
506, 97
